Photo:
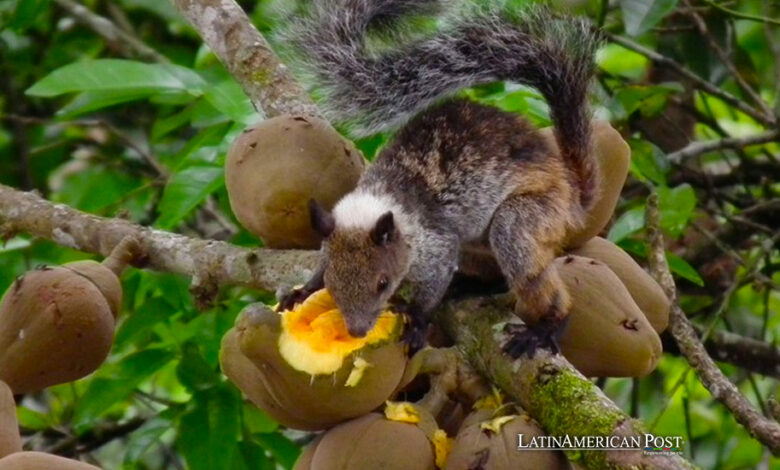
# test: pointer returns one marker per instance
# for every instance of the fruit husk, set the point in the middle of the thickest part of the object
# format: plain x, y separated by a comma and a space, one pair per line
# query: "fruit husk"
613, 157
10, 440
55, 327
373, 442
41, 461
273, 169
250, 358
648, 294
606, 334
491, 444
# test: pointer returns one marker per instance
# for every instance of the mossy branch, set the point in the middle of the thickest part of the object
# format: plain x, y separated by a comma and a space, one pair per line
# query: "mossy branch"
546, 386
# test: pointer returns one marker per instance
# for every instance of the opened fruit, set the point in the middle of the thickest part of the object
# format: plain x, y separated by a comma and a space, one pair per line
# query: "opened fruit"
303, 369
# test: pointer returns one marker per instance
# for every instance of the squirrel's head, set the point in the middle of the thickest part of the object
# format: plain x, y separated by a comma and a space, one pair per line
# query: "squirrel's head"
366, 258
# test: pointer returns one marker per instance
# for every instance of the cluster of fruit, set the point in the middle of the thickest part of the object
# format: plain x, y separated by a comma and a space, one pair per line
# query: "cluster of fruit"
56, 326
304, 369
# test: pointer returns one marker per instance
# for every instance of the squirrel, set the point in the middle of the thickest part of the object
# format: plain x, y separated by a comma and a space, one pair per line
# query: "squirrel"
456, 171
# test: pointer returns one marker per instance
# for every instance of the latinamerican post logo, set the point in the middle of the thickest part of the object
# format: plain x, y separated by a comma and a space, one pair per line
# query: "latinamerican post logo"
648, 443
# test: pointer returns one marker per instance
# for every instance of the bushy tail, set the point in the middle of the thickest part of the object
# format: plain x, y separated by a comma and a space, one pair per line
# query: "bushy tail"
371, 92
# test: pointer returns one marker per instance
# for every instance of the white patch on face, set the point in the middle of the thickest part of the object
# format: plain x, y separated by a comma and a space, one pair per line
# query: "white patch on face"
361, 209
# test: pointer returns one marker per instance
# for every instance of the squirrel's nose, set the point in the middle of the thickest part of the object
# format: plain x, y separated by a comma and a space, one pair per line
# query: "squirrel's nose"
357, 331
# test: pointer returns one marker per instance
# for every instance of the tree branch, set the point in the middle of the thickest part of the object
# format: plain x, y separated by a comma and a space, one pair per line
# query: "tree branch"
695, 79
110, 32
723, 390
210, 263
697, 148
246, 54
546, 386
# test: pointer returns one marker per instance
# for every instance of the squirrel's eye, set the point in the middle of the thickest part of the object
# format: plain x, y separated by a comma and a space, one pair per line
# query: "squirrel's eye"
382, 284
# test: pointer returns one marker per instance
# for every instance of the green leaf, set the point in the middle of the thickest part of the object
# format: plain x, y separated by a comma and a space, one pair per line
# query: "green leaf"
630, 222
648, 162
676, 206
32, 419
89, 101
285, 451
228, 98
185, 190
144, 438
107, 74
681, 267
26, 13
153, 311
641, 15
208, 433
257, 421
193, 371
115, 384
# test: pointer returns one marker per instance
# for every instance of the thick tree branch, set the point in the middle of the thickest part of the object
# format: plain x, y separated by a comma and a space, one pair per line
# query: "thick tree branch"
546, 386
210, 263
246, 54
721, 388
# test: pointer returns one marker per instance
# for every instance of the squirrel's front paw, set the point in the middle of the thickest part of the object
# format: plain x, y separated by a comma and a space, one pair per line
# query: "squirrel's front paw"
527, 340
292, 298
415, 327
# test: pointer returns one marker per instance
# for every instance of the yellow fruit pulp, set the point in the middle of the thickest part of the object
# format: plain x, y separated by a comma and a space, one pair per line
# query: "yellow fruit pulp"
315, 339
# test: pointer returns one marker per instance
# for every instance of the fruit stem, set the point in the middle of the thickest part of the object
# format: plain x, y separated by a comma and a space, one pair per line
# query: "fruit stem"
123, 253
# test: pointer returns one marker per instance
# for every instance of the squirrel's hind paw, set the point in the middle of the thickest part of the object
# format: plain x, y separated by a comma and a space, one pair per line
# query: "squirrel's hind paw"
527, 340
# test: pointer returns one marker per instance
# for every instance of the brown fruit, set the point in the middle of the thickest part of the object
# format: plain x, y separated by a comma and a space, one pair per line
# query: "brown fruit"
251, 358
307, 455
104, 279
373, 442
10, 440
41, 461
613, 156
491, 444
55, 326
648, 294
274, 168
607, 335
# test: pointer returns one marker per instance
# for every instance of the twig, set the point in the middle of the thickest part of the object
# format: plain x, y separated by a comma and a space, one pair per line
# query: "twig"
698, 148
246, 54
695, 79
110, 32
723, 390
739, 14
701, 25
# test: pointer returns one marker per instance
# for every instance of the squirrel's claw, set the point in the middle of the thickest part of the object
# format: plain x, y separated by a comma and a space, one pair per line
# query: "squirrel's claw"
415, 329
292, 298
526, 340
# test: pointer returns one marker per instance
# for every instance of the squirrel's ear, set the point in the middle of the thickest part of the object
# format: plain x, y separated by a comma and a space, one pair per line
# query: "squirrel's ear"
384, 230
322, 221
